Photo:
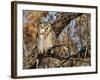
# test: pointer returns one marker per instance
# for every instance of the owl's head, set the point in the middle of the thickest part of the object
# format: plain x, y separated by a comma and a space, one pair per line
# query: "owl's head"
41, 29
45, 28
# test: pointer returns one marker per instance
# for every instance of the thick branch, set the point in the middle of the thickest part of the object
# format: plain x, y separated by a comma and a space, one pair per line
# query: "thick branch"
62, 22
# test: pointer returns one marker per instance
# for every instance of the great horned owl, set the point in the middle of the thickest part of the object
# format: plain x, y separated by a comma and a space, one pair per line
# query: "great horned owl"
45, 39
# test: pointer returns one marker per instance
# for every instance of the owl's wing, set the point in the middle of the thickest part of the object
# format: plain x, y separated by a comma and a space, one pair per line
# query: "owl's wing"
62, 21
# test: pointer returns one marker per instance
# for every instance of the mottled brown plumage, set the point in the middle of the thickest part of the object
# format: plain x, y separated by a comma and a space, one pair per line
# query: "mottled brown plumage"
45, 38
